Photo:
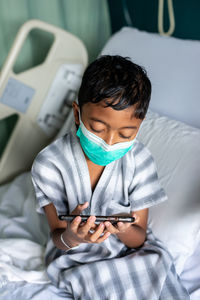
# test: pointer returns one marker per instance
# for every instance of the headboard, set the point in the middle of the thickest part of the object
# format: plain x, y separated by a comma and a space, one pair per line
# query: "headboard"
144, 16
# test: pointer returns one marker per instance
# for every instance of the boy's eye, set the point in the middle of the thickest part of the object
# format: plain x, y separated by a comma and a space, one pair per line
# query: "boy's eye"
98, 131
125, 137
95, 130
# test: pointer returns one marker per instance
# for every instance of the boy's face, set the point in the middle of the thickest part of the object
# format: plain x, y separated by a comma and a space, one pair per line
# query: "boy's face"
113, 126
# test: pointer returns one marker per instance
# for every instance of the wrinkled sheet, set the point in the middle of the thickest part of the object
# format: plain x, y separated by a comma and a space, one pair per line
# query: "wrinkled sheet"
23, 233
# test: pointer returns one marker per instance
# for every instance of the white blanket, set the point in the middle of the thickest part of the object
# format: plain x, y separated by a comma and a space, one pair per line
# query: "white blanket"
21, 260
23, 234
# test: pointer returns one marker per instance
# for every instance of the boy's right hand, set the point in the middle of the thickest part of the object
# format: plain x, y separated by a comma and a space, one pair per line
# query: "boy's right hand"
77, 233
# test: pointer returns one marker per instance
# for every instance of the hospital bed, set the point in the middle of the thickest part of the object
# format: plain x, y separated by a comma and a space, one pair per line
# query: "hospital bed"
40, 96
171, 131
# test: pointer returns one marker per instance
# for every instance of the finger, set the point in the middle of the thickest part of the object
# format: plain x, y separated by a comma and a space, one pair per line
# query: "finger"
103, 238
97, 233
110, 228
83, 230
122, 227
94, 226
74, 225
80, 208
137, 218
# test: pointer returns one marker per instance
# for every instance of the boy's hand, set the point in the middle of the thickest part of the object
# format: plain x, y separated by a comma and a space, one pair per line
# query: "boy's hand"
77, 232
120, 227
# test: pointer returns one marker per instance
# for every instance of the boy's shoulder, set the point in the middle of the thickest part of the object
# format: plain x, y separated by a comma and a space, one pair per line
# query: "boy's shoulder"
140, 152
60, 145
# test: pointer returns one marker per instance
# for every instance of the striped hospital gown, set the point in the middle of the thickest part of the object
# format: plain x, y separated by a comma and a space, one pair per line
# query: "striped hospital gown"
110, 270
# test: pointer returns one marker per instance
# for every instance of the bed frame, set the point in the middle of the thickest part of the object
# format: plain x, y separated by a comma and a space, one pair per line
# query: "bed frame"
24, 94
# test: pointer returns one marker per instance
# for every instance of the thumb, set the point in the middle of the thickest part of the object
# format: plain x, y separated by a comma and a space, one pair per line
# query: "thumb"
137, 218
80, 208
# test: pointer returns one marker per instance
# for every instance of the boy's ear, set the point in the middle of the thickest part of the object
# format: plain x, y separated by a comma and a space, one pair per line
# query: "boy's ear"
75, 107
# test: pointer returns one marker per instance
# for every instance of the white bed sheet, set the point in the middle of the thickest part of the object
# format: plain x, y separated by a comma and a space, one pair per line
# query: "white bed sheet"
191, 274
23, 234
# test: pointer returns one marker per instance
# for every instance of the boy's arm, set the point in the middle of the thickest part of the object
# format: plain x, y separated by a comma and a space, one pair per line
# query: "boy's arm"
57, 227
132, 236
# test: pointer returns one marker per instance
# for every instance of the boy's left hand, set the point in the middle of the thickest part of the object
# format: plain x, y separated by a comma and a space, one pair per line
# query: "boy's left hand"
120, 227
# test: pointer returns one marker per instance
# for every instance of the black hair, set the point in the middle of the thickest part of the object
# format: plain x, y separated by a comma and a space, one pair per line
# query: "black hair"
117, 81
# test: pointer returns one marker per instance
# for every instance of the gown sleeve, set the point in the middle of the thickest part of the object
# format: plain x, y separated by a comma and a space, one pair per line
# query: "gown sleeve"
145, 189
48, 183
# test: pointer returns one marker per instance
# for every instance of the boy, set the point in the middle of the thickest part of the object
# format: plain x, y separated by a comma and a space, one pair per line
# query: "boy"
100, 168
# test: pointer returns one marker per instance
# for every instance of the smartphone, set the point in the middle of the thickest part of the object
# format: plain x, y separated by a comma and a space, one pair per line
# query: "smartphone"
99, 219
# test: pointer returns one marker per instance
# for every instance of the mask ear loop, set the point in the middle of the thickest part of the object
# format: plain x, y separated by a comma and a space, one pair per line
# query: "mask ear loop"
79, 115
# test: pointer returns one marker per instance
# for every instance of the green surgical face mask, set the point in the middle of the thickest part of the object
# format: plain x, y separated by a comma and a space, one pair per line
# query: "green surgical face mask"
97, 150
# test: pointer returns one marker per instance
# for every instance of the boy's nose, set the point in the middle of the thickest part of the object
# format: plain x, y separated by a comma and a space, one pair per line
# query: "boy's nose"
110, 139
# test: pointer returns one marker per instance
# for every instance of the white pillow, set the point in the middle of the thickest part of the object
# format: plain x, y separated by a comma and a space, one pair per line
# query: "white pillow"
175, 147
173, 66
